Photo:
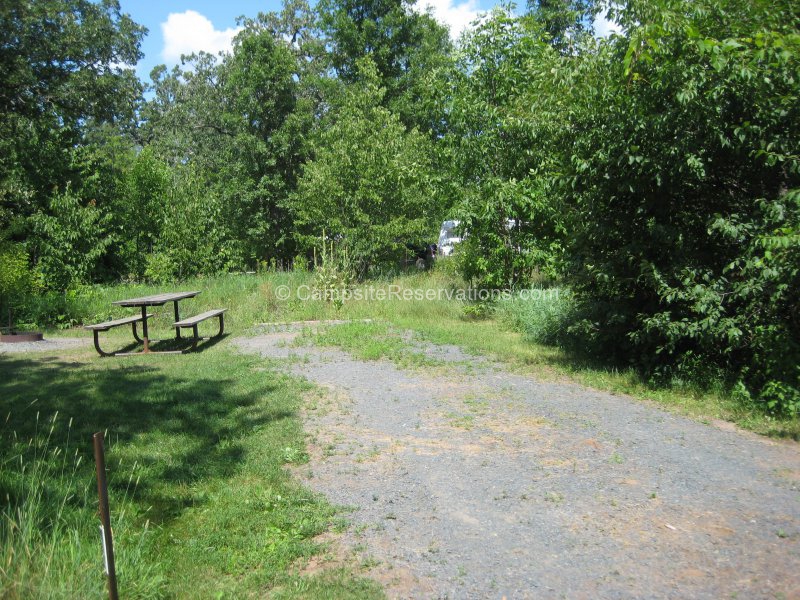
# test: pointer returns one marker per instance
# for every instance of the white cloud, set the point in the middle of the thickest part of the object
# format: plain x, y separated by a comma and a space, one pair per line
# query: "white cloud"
189, 32
457, 16
603, 27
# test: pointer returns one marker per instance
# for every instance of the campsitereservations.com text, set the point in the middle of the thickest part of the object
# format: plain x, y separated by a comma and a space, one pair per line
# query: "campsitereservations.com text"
396, 292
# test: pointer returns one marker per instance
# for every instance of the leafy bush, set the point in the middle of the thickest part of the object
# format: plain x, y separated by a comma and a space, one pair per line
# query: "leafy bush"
71, 237
684, 205
57, 309
17, 280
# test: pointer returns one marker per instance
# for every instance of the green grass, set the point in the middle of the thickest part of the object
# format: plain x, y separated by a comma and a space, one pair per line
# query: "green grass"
207, 436
202, 502
371, 341
509, 333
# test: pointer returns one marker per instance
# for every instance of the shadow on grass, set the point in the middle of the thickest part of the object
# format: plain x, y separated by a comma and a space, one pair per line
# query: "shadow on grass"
182, 419
185, 344
111, 346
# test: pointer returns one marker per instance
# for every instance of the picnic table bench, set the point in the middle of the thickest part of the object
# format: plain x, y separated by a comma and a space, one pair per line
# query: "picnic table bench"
194, 321
98, 327
156, 300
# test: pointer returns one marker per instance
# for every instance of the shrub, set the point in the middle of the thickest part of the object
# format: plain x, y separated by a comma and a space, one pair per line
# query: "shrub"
685, 205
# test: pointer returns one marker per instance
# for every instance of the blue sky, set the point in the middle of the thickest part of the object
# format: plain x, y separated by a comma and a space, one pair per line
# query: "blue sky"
209, 26
182, 26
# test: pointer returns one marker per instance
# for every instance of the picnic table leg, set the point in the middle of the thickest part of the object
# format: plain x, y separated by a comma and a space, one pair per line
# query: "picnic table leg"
97, 345
136, 333
196, 337
144, 330
177, 318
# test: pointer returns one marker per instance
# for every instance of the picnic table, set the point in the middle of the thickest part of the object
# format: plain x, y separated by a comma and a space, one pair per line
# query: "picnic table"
146, 302
157, 300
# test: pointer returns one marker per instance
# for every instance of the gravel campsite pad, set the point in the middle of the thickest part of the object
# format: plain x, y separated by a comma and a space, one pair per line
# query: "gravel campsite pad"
46, 345
473, 482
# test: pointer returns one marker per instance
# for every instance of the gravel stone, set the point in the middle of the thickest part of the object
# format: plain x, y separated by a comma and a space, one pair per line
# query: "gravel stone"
480, 483
46, 345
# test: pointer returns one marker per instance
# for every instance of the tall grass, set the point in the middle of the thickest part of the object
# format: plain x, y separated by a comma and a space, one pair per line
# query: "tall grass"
50, 545
198, 447
542, 316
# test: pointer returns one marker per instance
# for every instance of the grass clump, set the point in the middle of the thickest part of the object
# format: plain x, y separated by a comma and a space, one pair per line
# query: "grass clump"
215, 513
49, 530
372, 341
541, 315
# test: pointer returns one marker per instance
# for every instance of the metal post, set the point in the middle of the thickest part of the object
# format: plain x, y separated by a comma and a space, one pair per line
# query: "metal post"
105, 518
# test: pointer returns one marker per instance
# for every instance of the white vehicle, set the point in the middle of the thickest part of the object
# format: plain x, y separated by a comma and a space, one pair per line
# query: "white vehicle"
448, 238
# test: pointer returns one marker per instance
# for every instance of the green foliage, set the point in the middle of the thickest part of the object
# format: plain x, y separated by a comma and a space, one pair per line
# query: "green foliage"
564, 21
71, 237
69, 49
17, 279
513, 224
140, 209
56, 309
408, 48
192, 236
59, 67
368, 184
267, 147
676, 195
238, 126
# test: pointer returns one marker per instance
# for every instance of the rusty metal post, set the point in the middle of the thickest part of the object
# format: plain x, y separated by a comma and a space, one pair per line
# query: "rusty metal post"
105, 517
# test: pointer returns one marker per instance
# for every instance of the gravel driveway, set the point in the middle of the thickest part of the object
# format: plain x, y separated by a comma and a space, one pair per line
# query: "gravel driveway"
45, 345
473, 482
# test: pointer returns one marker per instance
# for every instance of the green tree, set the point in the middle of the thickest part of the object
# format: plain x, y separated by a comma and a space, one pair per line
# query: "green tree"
268, 146
70, 239
500, 140
59, 64
682, 170
139, 211
237, 122
369, 182
409, 50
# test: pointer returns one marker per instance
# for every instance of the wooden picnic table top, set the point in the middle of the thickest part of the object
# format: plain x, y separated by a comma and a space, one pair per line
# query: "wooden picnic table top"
156, 299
